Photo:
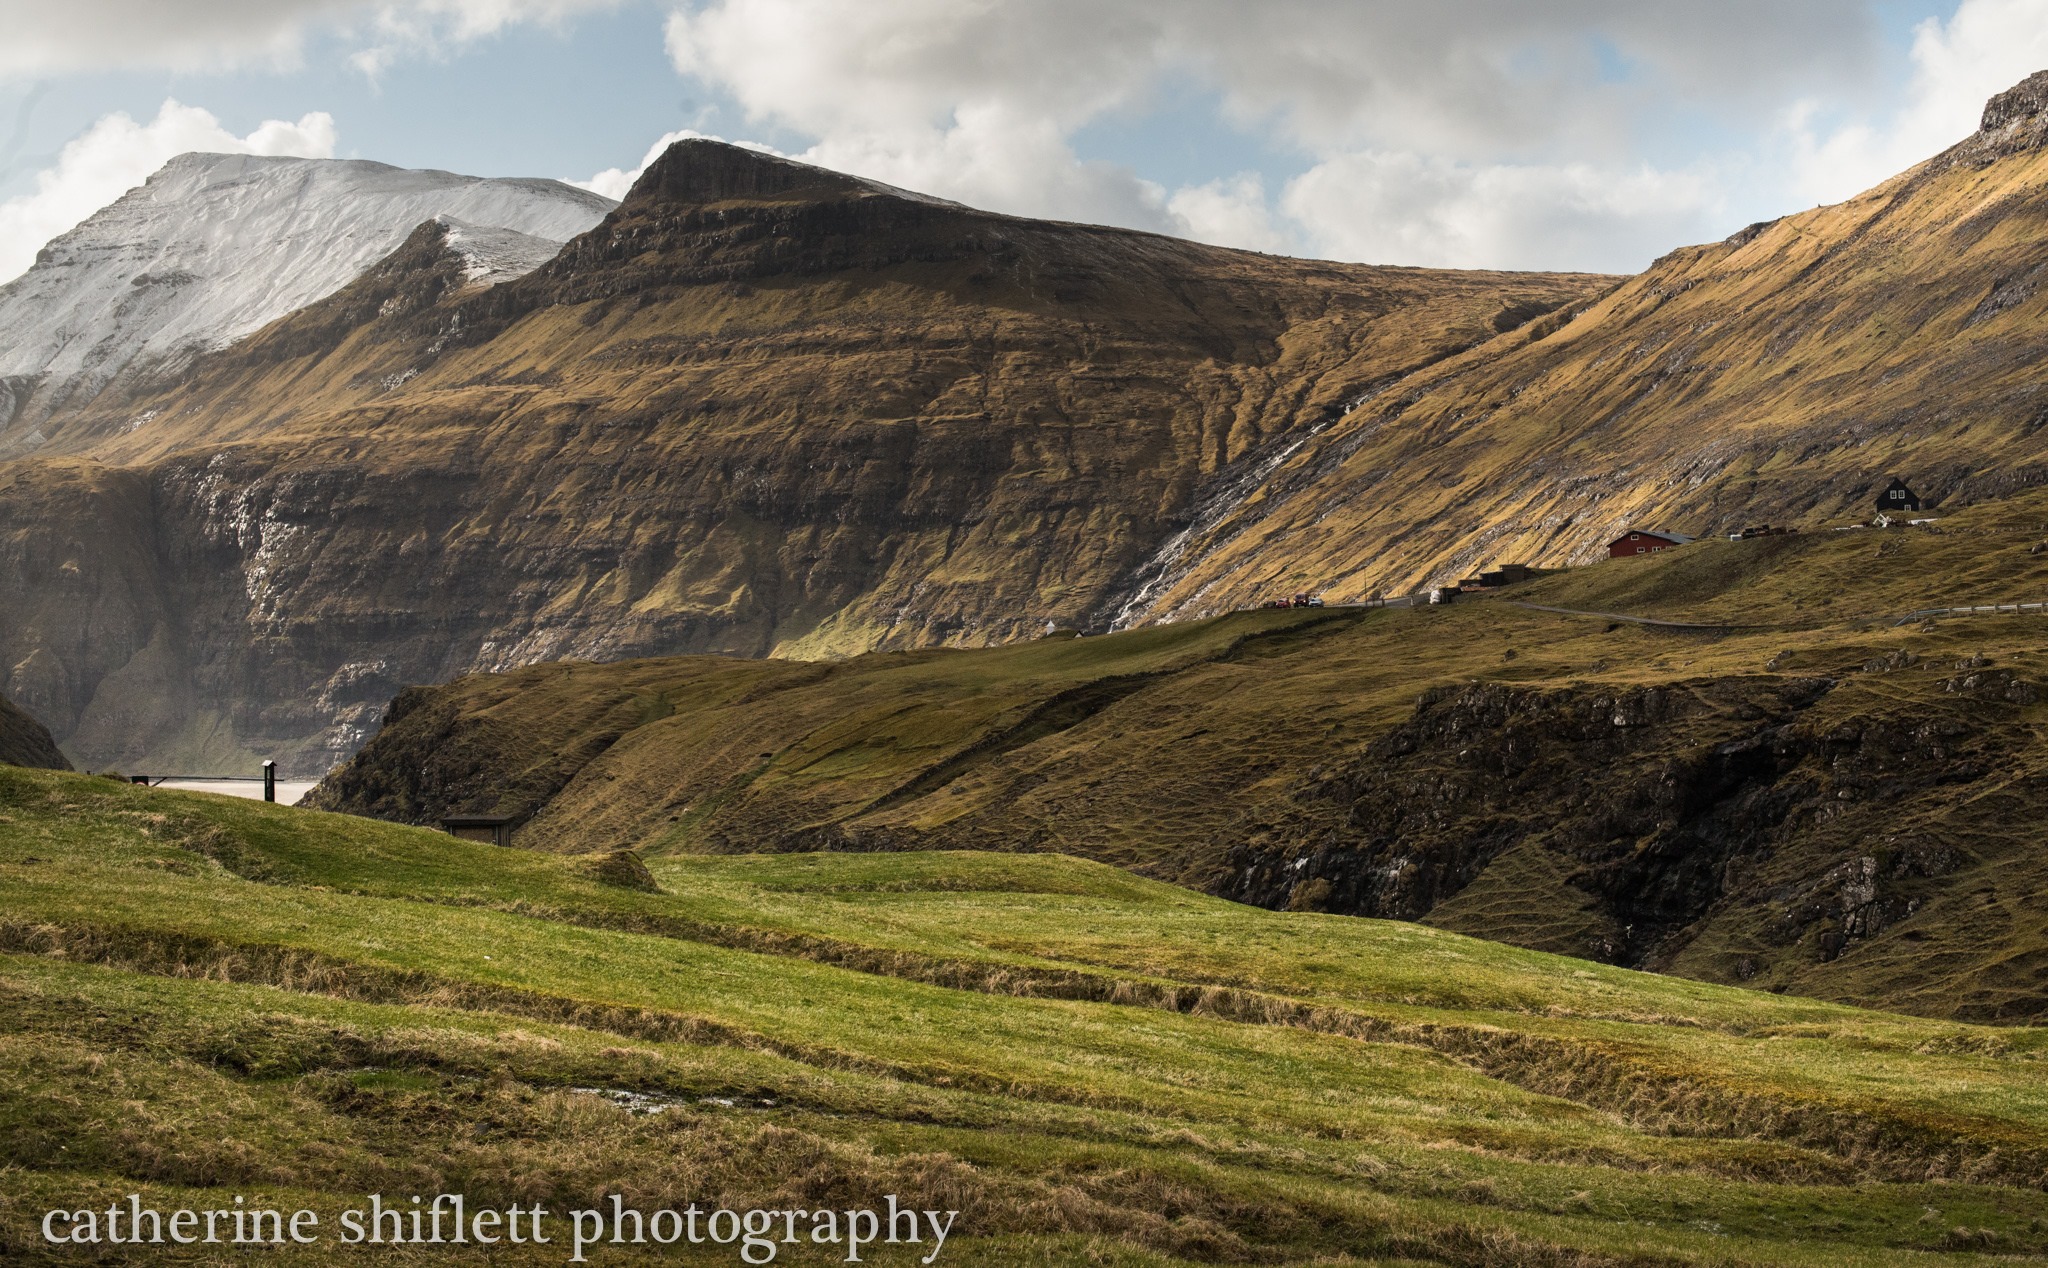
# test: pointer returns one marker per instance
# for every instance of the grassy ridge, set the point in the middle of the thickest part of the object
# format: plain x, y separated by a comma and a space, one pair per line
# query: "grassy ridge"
206, 993
1168, 749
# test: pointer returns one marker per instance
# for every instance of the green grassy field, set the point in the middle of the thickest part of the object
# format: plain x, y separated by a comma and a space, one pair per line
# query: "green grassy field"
206, 997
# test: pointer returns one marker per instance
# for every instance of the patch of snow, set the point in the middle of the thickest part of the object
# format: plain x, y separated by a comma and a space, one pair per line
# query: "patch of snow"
491, 255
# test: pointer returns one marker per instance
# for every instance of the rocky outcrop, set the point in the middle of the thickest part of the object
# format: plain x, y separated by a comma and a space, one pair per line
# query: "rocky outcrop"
1652, 809
26, 742
436, 758
2015, 121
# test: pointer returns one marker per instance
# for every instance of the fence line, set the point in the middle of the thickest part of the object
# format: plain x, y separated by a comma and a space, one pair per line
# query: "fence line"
1926, 614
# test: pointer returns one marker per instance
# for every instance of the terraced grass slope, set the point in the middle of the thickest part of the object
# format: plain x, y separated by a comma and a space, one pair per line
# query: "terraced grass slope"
205, 997
762, 408
1782, 376
1787, 788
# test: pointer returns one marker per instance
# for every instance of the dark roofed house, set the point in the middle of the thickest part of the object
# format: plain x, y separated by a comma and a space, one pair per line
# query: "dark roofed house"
1897, 498
493, 829
1644, 541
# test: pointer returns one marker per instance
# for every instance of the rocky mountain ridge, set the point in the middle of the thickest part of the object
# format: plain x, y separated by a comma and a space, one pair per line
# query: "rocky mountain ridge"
2014, 122
761, 407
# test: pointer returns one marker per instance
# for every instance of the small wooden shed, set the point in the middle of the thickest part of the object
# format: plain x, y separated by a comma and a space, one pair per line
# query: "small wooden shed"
492, 829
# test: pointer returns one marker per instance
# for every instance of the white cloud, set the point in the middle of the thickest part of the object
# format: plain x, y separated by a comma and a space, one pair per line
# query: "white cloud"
117, 153
1986, 47
1409, 117
970, 101
993, 154
431, 27
45, 37
1232, 212
1402, 207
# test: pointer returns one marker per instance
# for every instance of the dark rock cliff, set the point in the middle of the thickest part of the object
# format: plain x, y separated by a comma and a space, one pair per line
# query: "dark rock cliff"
26, 742
1611, 823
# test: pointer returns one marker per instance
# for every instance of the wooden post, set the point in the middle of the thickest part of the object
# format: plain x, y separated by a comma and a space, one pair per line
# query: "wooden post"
270, 781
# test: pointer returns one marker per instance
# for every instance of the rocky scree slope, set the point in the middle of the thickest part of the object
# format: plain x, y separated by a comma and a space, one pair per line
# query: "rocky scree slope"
215, 246
1813, 799
761, 408
1782, 376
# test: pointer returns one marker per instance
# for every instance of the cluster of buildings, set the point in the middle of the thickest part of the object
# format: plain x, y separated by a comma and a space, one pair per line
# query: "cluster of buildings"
1897, 499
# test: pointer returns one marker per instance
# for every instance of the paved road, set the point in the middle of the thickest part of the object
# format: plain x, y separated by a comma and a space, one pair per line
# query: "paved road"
288, 790
1399, 601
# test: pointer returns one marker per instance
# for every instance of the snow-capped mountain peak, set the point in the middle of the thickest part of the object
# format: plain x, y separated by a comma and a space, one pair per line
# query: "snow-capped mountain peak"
215, 246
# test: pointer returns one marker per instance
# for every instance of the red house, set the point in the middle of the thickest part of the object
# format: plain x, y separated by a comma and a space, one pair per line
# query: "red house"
1644, 541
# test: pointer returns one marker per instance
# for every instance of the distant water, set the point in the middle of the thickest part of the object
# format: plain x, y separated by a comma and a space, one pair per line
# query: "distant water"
288, 790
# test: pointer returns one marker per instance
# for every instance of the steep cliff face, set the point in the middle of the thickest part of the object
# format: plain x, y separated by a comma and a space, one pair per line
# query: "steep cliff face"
1668, 824
215, 246
761, 408
1782, 376
26, 742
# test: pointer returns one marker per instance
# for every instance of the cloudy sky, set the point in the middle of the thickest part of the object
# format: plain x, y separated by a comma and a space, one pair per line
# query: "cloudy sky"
1581, 134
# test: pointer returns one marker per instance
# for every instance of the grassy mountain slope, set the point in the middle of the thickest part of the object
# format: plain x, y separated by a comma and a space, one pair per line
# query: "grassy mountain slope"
1782, 376
761, 408
25, 741
1797, 793
208, 997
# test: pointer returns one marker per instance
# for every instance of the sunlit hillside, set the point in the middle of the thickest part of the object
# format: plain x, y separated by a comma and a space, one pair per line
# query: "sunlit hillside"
1783, 376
